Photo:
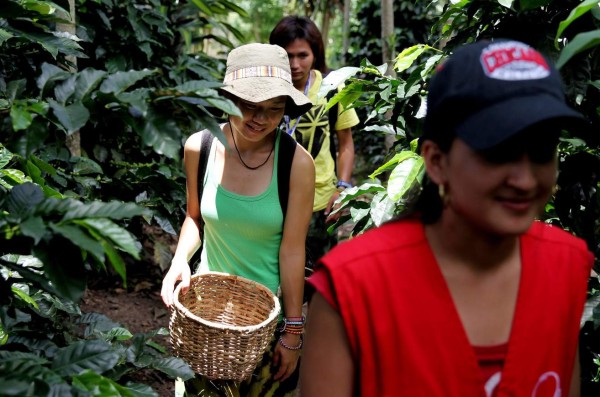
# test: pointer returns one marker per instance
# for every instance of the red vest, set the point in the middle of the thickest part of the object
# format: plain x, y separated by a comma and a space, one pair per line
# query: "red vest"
405, 333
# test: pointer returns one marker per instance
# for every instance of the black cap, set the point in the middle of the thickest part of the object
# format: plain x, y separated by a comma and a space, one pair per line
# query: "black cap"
487, 92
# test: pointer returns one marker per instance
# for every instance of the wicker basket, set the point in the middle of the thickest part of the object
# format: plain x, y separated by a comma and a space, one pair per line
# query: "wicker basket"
223, 325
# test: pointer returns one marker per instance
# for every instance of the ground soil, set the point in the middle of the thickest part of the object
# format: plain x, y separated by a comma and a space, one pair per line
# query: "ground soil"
138, 311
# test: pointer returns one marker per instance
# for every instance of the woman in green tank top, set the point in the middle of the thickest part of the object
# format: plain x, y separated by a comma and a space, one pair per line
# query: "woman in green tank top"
245, 232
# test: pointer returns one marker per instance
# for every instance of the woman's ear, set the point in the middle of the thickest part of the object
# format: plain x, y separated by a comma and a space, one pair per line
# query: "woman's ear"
435, 161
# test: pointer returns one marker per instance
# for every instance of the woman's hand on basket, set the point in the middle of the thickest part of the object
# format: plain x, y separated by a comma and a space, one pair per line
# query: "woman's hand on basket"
285, 358
179, 270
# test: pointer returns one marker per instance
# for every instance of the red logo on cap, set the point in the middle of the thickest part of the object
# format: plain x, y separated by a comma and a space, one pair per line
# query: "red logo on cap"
511, 60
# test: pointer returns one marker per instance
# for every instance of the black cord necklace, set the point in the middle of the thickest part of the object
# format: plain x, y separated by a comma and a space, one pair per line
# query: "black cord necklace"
240, 156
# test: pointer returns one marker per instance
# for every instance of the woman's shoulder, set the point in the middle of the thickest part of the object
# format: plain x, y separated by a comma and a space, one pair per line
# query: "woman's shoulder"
553, 240
194, 142
394, 237
545, 232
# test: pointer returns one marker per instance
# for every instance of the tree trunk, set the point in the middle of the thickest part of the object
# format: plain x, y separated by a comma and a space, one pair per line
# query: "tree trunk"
346, 31
388, 50
72, 141
325, 23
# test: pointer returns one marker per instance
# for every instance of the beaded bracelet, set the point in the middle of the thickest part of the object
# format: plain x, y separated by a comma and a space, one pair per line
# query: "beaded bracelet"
282, 343
299, 331
294, 320
293, 327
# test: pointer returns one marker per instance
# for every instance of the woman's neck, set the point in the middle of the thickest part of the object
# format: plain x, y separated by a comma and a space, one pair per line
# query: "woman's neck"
245, 146
461, 242
301, 84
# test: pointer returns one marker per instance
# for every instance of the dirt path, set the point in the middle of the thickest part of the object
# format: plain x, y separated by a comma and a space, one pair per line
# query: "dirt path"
140, 310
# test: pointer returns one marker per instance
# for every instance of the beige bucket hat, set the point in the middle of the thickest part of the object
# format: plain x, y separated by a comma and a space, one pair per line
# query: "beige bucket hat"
259, 72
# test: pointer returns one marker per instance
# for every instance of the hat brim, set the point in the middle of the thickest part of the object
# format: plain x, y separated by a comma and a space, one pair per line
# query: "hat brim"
496, 123
259, 89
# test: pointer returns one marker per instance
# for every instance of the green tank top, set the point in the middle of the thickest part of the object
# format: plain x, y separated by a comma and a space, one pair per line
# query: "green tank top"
242, 234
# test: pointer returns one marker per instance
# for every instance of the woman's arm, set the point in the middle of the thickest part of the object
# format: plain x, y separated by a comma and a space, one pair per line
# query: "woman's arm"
345, 160
189, 237
345, 164
575, 390
292, 254
327, 367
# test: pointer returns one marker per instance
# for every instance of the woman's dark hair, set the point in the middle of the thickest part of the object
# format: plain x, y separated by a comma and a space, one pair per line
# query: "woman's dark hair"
296, 27
429, 205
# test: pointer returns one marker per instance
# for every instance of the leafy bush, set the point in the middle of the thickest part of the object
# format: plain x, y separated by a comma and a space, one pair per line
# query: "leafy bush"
126, 85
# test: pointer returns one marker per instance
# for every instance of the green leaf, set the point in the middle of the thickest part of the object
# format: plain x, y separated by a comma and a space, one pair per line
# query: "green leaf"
55, 44
41, 7
3, 335
506, 3
23, 198
26, 366
78, 237
66, 269
199, 87
575, 13
33, 227
398, 157
115, 260
32, 276
349, 196
17, 177
94, 355
407, 173
87, 80
98, 209
121, 81
336, 78
72, 117
174, 367
138, 98
531, 4
98, 385
225, 105
5, 156
408, 56
50, 74
21, 118
65, 89
118, 333
16, 88
85, 166
113, 232
24, 297
382, 209
5, 36
581, 42
158, 133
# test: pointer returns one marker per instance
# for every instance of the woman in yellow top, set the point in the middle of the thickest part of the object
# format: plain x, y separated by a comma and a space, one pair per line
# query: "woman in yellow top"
303, 42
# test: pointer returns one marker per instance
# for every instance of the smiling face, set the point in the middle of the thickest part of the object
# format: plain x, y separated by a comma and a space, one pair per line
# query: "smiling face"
258, 118
302, 60
499, 191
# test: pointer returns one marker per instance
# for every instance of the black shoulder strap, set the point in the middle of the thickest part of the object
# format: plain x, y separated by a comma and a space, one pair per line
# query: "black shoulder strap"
333, 116
205, 144
285, 157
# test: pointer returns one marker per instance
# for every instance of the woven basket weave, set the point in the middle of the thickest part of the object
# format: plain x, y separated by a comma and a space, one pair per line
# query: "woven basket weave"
223, 325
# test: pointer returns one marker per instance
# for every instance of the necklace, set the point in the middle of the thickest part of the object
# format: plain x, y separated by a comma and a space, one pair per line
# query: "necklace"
240, 156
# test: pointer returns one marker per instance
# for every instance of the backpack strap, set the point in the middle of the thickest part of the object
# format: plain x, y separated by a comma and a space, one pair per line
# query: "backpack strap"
205, 144
333, 116
285, 157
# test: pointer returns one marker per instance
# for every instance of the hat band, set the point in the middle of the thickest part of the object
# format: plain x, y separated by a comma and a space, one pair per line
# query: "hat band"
258, 71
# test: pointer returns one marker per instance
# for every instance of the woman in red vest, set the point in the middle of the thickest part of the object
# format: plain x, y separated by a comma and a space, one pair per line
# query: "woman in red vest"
470, 296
